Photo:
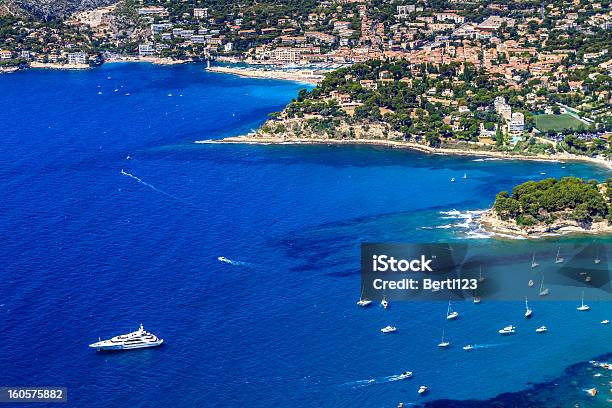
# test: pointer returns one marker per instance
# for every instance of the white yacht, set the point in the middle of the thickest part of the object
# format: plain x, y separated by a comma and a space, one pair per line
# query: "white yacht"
605, 321
405, 375
444, 343
583, 307
422, 390
468, 347
507, 330
530, 283
389, 329
541, 329
452, 180
451, 314
134, 340
528, 311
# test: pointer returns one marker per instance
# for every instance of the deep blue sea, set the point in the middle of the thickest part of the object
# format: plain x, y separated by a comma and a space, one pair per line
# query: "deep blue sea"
88, 251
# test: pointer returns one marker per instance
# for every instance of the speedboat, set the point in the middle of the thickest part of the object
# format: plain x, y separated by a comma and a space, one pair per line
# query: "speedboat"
583, 307
541, 329
507, 330
422, 390
468, 347
605, 321
134, 340
389, 329
404, 375
364, 302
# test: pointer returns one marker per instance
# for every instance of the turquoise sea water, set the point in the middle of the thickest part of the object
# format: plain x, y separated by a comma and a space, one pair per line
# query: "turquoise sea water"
91, 252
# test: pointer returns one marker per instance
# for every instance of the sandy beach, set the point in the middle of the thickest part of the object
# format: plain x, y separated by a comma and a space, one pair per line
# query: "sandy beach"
305, 75
152, 60
409, 145
50, 65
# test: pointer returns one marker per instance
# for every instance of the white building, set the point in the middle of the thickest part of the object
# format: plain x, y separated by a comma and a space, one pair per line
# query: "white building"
77, 58
146, 50
200, 12
516, 126
158, 28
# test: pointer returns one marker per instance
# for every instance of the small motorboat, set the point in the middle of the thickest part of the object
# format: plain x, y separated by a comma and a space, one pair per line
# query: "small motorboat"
468, 347
507, 330
530, 283
389, 329
477, 299
605, 321
385, 303
422, 389
404, 375
591, 391
452, 180
541, 329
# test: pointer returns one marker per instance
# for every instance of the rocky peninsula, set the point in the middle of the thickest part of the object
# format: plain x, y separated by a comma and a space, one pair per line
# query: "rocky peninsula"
552, 207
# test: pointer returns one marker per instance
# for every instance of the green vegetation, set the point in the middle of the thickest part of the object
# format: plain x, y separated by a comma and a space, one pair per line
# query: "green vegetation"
546, 201
544, 123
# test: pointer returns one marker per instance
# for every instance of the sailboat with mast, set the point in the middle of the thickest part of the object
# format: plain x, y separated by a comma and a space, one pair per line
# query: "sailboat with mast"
534, 264
559, 259
363, 302
528, 311
583, 307
443, 343
480, 277
543, 291
451, 314
597, 260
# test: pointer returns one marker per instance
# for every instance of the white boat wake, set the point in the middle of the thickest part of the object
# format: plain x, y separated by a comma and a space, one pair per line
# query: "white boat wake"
151, 186
373, 381
466, 221
231, 262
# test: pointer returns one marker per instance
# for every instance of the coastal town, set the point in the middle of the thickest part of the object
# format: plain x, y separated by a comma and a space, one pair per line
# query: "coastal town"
530, 77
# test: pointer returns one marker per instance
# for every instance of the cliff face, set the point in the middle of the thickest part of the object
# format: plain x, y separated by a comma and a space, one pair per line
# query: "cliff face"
52, 9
